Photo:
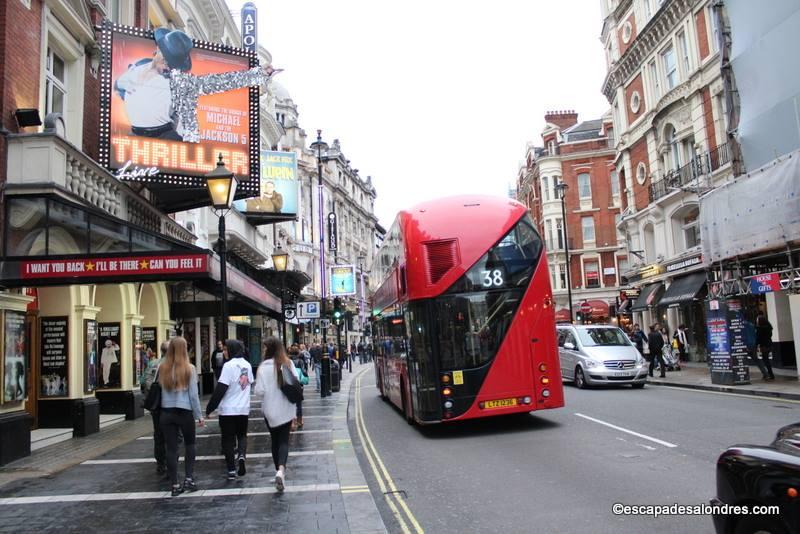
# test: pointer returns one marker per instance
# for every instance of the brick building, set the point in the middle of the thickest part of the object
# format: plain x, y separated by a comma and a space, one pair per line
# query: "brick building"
665, 88
580, 155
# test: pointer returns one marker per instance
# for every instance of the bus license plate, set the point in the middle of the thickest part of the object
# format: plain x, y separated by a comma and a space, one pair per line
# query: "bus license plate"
502, 403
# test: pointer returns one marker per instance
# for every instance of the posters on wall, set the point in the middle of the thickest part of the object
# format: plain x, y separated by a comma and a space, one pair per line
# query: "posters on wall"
139, 355
739, 364
90, 356
149, 335
727, 351
54, 357
15, 357
279, 187
205, 347
109, 336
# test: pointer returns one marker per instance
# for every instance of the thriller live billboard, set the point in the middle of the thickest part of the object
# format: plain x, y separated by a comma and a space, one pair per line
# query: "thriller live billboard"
171, 104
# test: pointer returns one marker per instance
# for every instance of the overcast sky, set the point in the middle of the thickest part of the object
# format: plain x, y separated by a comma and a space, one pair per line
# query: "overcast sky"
433, 98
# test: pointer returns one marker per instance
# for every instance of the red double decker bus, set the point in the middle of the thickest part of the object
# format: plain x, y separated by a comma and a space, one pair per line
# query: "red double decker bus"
464, 324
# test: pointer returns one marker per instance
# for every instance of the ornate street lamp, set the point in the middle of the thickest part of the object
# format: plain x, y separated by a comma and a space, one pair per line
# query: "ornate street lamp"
319, 145
562, 189
280, 260
221, 185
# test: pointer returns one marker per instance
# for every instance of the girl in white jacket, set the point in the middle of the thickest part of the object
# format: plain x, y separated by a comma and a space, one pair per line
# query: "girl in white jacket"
278, 411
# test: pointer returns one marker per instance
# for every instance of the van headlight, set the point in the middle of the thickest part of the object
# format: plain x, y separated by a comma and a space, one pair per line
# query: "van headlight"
592, 363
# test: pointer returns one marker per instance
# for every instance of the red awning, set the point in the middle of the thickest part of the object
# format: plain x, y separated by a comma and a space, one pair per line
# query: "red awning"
562, 315
599, 308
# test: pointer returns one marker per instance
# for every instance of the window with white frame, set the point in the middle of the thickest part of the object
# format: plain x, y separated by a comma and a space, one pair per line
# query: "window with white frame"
591, 271
691, 230
674, 153
587, 226
713, 26
562, 275
614, 184
683, 50
555, 188
548, 224
655, 84
559, 233
670, 67
545, 188
584, 185
55, 84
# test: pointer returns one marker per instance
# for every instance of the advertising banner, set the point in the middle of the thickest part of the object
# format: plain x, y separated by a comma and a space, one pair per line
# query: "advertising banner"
139, 355
279, 188
170, 105
343, 280
765, 283
15, 357
149, 334
54, 354
727, 351
109, 335
114, 266
91, 365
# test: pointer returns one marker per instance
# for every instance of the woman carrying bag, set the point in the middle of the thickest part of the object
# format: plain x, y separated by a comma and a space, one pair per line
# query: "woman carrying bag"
180, 407
275, 374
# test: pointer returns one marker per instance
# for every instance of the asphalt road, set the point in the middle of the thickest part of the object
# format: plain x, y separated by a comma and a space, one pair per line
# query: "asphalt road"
563, 470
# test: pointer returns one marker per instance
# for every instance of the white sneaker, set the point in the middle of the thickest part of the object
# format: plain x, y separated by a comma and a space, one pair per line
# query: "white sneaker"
279, 481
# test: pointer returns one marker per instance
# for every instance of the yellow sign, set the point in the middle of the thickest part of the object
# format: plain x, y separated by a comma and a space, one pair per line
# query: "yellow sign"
653, 269
458, 378
240, 319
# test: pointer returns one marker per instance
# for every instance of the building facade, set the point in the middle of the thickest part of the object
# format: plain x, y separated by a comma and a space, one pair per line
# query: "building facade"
664, 84
97, 271
579, 155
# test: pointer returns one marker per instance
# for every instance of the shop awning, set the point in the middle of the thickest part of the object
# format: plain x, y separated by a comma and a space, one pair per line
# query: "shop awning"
562, 316
599, 308
648, 297
683, 289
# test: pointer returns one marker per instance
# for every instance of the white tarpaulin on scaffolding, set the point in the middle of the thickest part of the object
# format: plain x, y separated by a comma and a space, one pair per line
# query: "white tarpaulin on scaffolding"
759, 211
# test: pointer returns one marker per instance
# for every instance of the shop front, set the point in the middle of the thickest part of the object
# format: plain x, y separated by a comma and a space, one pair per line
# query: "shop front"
683, 303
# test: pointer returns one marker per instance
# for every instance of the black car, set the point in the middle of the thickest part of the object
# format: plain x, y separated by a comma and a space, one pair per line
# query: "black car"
752, 475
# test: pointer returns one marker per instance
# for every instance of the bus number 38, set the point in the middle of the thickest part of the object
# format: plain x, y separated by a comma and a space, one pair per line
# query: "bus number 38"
492, 278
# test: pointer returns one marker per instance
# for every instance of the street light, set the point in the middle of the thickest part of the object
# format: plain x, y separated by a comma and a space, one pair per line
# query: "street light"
279, 261
562, 188
321, 145
221, 184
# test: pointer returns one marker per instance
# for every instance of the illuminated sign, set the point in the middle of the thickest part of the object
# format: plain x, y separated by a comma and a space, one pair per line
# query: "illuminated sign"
650, 271
279, 187
343, 280
170, 105
249, 27
113, 266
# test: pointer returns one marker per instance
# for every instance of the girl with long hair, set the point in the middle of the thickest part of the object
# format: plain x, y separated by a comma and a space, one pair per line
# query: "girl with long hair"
180, 406
278, 411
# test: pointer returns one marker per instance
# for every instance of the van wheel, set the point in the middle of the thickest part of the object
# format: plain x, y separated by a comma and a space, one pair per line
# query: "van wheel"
580, 380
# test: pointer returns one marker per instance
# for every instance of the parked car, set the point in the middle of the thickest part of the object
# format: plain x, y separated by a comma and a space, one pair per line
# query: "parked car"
753, 475
599, 355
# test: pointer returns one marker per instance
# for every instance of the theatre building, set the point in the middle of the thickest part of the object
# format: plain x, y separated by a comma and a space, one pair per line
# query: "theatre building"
93, 265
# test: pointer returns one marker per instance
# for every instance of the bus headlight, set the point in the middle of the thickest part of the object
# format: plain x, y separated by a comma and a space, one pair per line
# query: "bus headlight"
448, 404
545, 393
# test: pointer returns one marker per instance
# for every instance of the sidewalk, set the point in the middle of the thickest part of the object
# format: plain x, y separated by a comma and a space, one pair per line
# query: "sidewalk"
103, 482
696, 375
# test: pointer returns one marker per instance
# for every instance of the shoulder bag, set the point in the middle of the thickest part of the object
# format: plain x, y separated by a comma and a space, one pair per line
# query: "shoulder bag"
290, 385
153, 401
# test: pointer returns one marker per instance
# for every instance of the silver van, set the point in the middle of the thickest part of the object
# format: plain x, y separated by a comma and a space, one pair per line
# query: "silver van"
593, 355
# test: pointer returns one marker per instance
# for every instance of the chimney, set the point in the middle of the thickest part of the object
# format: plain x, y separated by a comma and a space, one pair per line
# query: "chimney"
563, 119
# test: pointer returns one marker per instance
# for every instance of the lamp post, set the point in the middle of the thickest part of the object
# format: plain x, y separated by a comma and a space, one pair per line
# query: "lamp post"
321, 145
221, 185
280, 260
562, 188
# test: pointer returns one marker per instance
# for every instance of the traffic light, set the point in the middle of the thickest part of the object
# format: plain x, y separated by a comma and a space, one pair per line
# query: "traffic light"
337, 310
579, 316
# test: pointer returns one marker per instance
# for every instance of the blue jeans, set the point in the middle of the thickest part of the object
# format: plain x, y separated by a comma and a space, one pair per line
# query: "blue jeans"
317, 373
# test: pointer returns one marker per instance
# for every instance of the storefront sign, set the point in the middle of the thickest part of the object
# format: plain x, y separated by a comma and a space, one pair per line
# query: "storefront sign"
109, 336
332, 232
765, 283
170, 105
279, 187
54, 356
91, 365
15, 357
343, 280
688, 262
139, 355
646, 272
109, 267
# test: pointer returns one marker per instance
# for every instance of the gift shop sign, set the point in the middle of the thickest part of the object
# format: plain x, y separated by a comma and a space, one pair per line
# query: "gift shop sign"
765, 283
126, 266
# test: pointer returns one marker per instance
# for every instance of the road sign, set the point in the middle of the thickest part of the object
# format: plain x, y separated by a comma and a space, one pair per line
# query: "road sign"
308, 310
586, 308
289, 313
325, 323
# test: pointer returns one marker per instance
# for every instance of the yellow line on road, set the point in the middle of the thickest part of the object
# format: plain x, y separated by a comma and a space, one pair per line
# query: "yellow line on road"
370, 447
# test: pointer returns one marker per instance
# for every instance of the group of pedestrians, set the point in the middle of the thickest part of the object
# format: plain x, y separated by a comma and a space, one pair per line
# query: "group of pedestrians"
180, 411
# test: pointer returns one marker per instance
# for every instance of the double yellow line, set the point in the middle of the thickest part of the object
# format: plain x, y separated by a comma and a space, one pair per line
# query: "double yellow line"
394, 498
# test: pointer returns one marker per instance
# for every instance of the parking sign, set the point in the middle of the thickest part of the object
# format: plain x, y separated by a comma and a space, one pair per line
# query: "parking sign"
308, 310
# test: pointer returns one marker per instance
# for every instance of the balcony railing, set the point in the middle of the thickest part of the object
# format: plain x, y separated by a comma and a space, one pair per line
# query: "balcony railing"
47, 161
699, 167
